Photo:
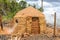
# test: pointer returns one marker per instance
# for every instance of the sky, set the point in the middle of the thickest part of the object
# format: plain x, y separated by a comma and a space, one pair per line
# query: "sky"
50, 7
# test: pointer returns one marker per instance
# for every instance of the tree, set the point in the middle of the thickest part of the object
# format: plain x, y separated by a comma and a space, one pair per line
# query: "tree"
23, 4
29, 5
41, 9
8, 8
34, 6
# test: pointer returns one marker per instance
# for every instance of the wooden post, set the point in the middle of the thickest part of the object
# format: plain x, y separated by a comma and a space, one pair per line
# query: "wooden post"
55, 24
1, 22
42, 3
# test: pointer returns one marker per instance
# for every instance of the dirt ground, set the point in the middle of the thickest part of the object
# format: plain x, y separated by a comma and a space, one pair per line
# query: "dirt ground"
40, 37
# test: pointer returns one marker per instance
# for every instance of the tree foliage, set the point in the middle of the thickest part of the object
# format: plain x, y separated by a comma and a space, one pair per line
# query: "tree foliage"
8, 8
23, 4
41, 9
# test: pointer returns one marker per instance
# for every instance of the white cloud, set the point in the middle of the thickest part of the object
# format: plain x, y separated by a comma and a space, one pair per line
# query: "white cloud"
47, 4
49, 9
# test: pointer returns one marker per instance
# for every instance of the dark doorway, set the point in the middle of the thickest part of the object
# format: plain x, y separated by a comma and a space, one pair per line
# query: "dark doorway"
35, 28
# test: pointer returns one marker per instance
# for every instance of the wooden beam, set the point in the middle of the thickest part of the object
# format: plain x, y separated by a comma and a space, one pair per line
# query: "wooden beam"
42, 3
1, 22
0, 19
54, 24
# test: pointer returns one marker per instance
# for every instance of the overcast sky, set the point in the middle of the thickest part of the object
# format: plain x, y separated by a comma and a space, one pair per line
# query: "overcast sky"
50, 6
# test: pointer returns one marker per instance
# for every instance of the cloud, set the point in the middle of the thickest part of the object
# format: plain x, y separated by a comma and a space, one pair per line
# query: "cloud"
49, 9
52, 0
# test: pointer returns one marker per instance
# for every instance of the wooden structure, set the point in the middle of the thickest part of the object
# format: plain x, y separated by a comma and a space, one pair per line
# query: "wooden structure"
54, 24
30, 20
1, 22
0, 19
